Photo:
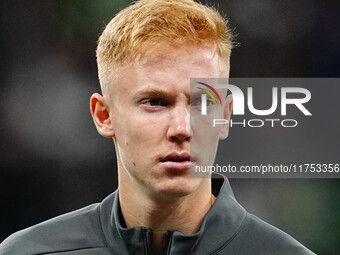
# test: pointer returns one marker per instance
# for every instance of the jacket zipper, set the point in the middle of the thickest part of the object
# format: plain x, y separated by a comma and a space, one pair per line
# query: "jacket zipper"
168, 241
146, 232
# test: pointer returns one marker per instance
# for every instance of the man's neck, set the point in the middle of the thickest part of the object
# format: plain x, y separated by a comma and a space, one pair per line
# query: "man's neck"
183, 213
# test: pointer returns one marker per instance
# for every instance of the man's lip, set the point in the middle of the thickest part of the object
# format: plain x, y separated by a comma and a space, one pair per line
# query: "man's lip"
176, 157
177, 165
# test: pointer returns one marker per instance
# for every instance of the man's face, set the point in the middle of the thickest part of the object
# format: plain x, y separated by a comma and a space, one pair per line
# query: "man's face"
149, 110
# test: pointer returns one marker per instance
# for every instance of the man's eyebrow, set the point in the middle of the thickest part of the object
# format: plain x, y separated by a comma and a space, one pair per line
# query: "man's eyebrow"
152, 92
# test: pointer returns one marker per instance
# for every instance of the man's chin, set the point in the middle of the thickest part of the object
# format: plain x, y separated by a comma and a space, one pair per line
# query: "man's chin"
176, 187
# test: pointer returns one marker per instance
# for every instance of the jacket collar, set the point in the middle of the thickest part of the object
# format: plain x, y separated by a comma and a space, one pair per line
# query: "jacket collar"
218, 228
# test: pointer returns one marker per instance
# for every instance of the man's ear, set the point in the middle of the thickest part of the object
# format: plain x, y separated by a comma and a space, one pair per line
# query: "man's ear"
228, 108
101, 115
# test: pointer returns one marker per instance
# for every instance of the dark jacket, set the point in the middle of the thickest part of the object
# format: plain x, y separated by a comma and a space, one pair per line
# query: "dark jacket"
99, 229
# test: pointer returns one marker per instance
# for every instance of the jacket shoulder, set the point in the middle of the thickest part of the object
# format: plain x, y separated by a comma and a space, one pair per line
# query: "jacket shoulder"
77, 230
259, 237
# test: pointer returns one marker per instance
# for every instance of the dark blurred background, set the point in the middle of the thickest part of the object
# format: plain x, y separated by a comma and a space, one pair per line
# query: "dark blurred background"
52, 159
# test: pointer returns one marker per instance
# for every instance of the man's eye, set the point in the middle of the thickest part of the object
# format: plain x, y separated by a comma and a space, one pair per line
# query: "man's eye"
198, 102
210, 102
156, 102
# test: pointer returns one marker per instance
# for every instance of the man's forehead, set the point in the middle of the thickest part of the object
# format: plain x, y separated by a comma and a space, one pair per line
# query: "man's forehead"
167, 69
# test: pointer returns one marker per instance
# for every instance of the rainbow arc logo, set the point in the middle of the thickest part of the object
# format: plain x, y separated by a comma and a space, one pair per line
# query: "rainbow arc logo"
204, 97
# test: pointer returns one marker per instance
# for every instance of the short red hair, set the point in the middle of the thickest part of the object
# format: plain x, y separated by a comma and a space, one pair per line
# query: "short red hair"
148, 24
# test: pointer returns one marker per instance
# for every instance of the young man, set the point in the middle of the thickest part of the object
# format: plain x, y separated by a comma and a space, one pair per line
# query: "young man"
146, 57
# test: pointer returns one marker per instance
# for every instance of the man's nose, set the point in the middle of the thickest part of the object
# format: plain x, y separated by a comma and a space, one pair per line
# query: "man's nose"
179, 125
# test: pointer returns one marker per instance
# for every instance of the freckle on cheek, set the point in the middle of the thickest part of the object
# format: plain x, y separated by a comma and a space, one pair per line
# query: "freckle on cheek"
134, 163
